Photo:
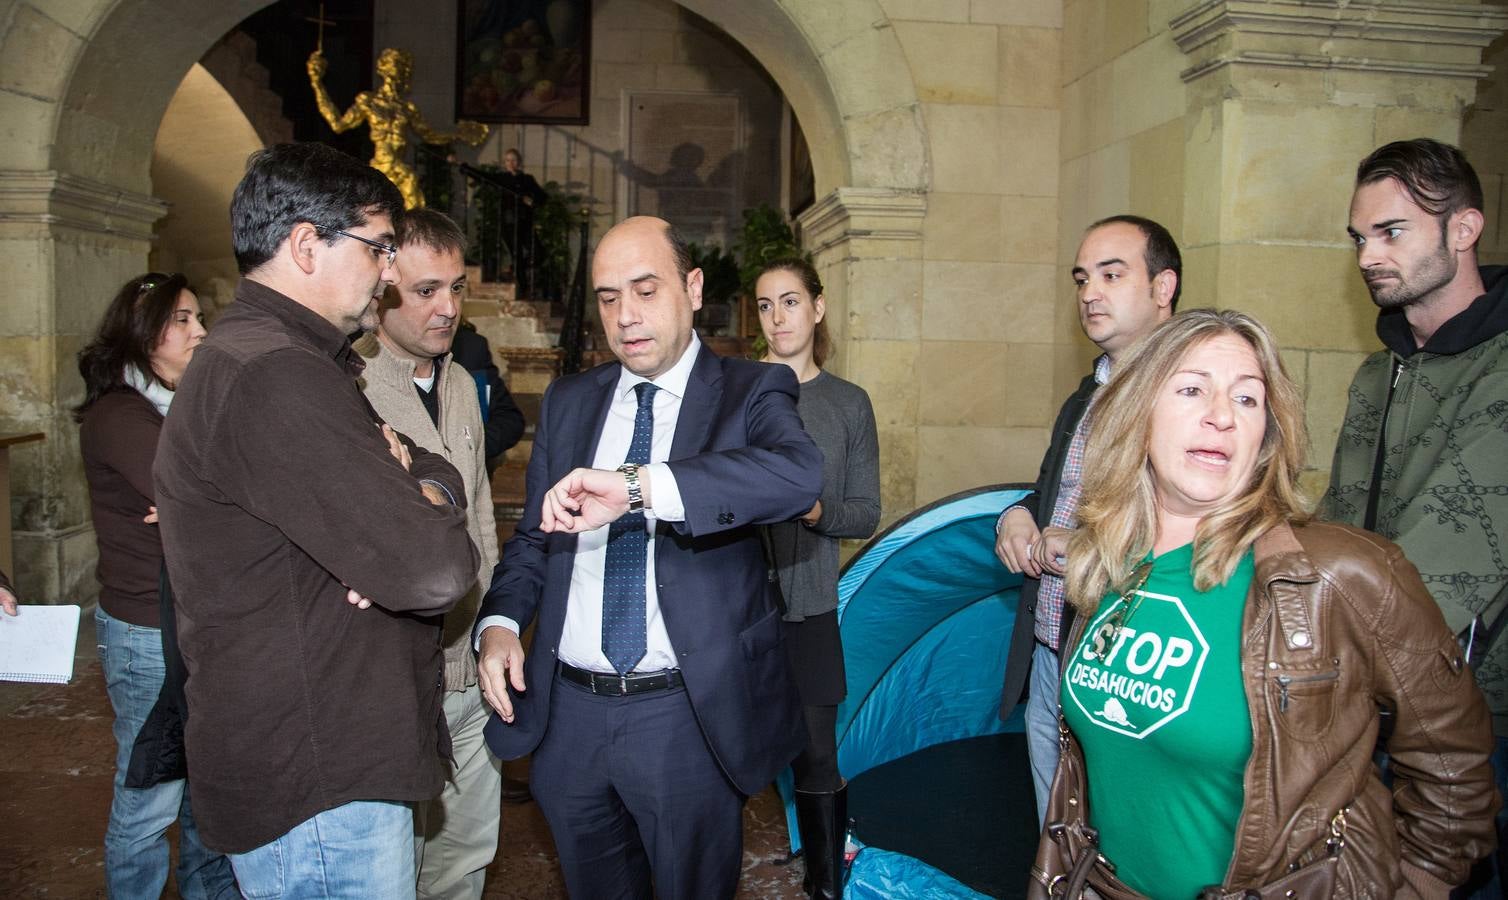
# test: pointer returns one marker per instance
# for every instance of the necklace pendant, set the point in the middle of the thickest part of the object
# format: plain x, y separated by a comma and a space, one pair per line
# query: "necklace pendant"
1105, 635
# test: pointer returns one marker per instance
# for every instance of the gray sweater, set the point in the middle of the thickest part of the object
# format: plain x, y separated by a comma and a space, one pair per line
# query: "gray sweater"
838, 416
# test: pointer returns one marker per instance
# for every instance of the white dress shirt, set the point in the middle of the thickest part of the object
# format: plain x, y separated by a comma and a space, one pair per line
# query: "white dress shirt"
581, 639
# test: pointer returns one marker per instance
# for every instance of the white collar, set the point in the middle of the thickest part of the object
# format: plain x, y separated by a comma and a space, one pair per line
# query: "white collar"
1102, 369
673, 379
157, 393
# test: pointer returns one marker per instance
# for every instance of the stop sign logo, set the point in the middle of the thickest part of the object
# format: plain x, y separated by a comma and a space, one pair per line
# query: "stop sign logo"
1148, 676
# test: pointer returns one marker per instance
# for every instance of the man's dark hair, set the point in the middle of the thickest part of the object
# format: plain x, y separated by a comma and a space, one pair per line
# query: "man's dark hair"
433, 229
286, 184
681, 251
128, 333
1161, 253
1437, 176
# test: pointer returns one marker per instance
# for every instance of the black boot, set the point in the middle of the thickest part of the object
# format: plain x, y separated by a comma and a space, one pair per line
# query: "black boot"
822, 818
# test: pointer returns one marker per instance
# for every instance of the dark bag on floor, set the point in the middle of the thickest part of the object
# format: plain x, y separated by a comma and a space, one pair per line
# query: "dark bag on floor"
157, 756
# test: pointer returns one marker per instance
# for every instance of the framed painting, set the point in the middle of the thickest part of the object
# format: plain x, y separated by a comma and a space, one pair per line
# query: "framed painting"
524, 61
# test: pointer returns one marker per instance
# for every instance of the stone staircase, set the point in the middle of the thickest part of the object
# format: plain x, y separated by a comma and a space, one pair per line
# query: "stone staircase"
523, 335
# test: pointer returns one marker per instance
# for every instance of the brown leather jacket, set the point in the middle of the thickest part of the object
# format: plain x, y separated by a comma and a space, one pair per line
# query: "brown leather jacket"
1336, 623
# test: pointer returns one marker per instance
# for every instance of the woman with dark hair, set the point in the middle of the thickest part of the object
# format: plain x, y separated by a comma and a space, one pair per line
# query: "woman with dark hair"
131, 370
1221, 684
840, 419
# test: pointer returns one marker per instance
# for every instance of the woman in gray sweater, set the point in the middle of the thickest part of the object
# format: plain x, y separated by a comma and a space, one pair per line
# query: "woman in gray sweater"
839, 417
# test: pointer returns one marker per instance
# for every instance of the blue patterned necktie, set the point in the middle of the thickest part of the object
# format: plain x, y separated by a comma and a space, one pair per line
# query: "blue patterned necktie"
624, 630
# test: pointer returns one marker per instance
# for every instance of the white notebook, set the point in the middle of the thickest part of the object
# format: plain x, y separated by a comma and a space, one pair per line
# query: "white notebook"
38, 644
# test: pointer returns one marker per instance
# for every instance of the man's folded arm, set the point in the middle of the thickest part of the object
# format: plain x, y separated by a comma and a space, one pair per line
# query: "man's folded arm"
324, 476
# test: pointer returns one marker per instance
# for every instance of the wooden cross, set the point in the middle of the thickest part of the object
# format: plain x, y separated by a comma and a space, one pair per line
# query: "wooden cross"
321, 21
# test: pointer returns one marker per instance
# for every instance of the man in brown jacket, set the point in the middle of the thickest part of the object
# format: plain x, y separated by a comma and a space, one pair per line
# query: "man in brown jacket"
310, 549
417, 388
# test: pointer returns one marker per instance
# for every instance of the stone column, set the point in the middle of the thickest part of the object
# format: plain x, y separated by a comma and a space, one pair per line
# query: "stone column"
67, 243
867, 245
1284, 99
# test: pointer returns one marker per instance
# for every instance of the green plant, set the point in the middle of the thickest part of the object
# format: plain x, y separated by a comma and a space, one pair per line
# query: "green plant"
434, 176
489, 210
766, 236
720, 274
555, 219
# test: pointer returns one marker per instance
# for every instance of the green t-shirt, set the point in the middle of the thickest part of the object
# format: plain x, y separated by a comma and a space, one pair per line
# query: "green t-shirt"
1165, 729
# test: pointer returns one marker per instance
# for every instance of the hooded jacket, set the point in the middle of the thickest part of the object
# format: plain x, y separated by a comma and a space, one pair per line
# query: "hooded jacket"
1444, 482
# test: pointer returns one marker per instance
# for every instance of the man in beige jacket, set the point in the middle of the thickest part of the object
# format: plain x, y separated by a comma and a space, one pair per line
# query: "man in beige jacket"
416, 387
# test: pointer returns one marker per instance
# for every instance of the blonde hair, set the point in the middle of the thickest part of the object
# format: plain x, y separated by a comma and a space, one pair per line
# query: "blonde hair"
1117, 512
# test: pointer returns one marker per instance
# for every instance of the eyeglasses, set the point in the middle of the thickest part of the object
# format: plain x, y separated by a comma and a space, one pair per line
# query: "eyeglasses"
389, 249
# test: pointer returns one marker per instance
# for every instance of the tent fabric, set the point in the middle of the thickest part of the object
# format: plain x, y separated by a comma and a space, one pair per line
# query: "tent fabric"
926, 612
878, 874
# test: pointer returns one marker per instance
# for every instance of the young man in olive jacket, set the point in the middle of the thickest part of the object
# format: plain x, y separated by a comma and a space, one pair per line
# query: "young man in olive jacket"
1422, 456
310, 550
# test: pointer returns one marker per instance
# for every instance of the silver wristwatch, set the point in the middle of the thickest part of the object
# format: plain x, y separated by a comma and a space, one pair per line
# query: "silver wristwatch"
635, 495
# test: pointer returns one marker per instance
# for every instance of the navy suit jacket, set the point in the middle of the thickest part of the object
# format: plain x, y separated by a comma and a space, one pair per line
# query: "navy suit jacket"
741, 458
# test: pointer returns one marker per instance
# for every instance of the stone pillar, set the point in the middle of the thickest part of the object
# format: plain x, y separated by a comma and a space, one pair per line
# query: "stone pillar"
67, 243
867, 245
1284, 99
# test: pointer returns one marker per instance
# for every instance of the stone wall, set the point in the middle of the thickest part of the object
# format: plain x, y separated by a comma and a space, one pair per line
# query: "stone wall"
947, 296
1239, 125
1283, 102
1123, 137
1484, 138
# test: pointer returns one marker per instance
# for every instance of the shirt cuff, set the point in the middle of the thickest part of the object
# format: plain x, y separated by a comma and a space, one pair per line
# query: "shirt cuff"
667, 505
489, 622
1000, 520
443, 489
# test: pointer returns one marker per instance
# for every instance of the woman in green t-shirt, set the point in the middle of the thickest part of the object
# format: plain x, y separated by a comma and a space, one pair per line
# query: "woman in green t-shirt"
1221, 684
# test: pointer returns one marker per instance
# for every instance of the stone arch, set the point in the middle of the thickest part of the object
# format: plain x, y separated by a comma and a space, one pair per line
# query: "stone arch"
840, 65
80, 114
201, 147
116, 94
844, 73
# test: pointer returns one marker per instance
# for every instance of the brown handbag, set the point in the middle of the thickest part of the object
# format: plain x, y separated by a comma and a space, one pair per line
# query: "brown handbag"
1068, 858
1070, 866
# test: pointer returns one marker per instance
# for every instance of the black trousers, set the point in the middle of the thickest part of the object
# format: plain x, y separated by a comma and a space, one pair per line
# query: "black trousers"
636, 802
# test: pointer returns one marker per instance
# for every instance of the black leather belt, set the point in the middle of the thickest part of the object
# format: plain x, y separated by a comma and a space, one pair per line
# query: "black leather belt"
614, 685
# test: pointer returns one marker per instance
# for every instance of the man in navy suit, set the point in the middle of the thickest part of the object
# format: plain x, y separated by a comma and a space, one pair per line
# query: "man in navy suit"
655, 697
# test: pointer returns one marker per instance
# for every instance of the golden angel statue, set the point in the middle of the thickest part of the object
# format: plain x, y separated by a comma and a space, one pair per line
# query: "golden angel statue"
389, 114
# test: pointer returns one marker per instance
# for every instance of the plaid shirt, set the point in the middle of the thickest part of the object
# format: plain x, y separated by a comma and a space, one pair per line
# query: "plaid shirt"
1064, 515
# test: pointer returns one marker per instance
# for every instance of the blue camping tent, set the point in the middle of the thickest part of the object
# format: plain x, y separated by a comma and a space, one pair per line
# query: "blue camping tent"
926, 612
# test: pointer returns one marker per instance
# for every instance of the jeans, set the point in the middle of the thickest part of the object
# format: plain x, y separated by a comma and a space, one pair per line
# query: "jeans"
363, 849
136, 845
1042, 725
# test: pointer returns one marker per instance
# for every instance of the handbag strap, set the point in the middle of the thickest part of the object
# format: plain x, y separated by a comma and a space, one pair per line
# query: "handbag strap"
1078, 877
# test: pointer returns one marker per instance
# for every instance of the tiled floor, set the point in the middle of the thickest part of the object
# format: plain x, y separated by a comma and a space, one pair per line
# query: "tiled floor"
56, 754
